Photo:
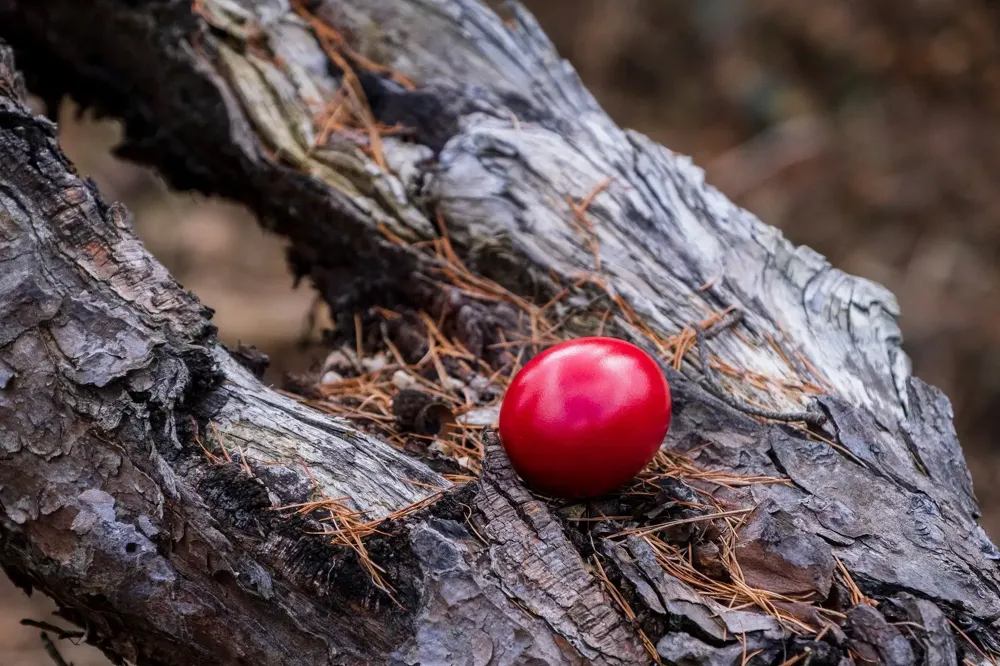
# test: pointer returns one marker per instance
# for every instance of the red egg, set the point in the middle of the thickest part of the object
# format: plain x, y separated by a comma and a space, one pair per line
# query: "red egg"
585, 416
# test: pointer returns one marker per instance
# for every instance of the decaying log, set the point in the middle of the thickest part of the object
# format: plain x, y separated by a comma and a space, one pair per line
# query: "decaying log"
113, 385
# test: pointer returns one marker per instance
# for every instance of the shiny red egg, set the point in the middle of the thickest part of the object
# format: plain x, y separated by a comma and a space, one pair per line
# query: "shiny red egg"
585, 416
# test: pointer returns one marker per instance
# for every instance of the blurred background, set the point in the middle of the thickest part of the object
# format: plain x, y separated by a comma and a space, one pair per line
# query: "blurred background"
867, 129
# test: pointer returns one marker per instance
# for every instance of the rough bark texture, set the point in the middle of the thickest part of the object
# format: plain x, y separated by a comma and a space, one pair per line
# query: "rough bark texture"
110, 373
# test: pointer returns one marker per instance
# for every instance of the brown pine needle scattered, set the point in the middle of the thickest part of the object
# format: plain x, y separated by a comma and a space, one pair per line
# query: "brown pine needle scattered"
796, 659
359, 347
345, 526
368, 399
711, 281
857, 596
990, 658
670, 464
222, 444
729, 593
243, 461
328, 32
652, 529
816, 437
212, 458
781, 353
584, 225
349, 109
626, 609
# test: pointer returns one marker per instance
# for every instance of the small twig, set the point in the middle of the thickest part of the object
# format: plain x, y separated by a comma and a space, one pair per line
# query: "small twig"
971, 642
643, 531
724, 324
712, 384
797, 658
50, 649
60, 633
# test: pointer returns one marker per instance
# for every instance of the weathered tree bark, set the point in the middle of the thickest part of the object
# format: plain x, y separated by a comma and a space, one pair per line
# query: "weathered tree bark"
111, 378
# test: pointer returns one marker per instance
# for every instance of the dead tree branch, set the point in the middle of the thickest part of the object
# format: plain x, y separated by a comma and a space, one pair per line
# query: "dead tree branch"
362, 131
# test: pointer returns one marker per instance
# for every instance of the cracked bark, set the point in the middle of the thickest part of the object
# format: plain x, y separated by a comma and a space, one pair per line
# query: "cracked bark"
110, 373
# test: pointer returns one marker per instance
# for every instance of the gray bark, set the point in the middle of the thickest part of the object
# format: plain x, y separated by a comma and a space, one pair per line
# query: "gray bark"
111, 374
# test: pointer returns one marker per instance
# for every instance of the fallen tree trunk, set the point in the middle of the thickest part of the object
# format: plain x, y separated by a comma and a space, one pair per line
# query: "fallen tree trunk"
122, 501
